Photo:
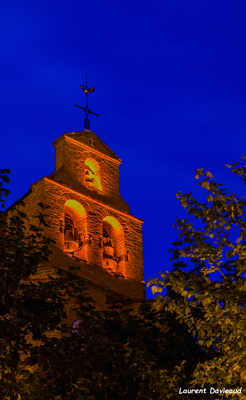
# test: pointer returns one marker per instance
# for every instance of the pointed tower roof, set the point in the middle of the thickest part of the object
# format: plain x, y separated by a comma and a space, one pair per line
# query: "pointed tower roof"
89, 139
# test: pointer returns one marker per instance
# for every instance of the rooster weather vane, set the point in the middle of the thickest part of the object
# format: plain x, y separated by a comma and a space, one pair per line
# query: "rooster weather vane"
86, 109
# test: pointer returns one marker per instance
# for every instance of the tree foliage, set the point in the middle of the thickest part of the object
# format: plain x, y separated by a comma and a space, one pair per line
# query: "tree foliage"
206, 289
32, 310
112, 354
28, 308
116, 354
4, 178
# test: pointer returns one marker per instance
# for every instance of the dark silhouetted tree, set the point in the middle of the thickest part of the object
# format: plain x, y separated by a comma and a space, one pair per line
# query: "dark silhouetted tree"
113, 354
206, 290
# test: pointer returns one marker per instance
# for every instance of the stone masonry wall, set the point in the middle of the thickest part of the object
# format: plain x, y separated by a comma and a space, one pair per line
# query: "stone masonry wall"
74, 158
123, 272
55, 196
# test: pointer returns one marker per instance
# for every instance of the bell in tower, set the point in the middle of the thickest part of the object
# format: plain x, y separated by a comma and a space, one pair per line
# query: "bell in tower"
109, 259
71, 237
108, 249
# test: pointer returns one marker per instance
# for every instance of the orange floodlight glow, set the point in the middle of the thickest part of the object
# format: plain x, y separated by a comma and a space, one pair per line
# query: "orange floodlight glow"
92, 175
75, 229
76, 206
114, 223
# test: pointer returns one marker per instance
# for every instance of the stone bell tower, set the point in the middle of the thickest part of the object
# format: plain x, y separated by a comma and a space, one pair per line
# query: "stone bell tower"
89, 221
87, 217
95, 224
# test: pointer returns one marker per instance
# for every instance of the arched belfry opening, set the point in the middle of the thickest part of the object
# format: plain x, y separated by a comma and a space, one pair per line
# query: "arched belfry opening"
113, 246
92, 178
75, 230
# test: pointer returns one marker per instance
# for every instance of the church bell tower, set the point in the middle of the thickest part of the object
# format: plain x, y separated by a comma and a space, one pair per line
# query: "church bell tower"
93, 222
90, 223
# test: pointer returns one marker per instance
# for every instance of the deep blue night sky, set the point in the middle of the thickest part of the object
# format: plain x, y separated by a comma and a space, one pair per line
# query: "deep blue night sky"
170, 87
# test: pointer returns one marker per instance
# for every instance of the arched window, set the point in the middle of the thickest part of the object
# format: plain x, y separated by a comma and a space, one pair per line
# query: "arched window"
75, 229
113, 245
92, 177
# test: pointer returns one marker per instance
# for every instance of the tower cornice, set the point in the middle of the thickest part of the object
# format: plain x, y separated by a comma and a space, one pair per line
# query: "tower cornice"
94, 200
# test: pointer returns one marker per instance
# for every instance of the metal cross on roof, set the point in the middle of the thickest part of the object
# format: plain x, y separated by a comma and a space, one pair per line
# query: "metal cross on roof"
86, 109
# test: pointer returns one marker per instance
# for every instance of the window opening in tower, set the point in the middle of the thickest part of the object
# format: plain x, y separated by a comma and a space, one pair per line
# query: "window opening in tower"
71, 236
108, 249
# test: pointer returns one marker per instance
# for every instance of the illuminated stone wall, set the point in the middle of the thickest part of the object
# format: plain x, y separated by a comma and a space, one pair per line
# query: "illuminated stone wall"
107, 243
55, 195
72, 155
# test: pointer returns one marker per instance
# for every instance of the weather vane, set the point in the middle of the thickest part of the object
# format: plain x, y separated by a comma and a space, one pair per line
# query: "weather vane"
86, 109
